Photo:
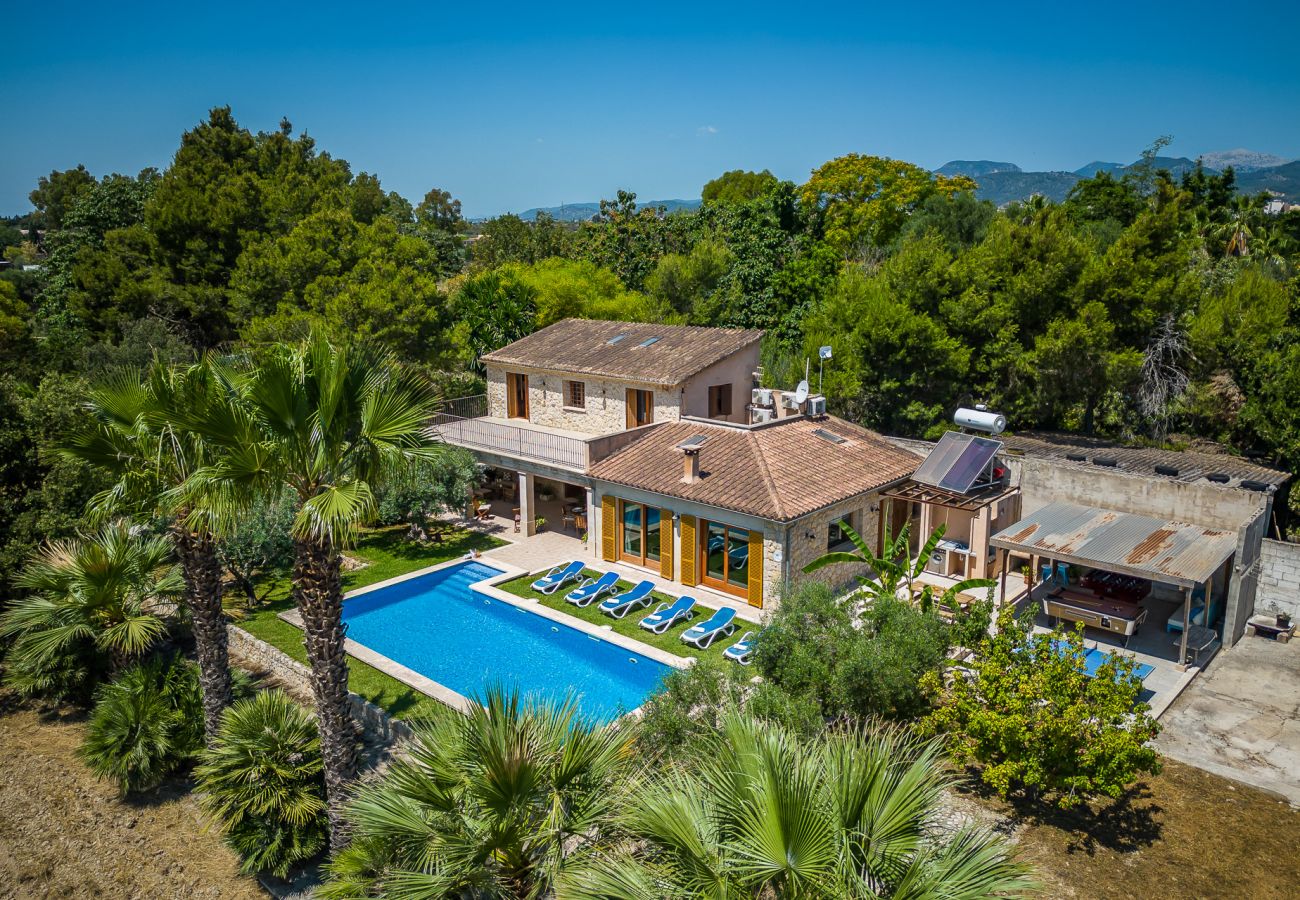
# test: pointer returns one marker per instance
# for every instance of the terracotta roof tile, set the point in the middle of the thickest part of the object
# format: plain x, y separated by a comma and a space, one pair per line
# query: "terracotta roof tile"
778, 472
583, 346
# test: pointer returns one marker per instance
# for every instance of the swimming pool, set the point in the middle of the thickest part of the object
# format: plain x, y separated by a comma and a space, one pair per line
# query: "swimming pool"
435, 625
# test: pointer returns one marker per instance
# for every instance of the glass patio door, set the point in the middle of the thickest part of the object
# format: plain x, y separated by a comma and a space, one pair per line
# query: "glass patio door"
640, 540
726, 558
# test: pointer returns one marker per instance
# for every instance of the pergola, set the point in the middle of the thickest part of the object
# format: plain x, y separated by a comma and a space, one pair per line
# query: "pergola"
1181, 554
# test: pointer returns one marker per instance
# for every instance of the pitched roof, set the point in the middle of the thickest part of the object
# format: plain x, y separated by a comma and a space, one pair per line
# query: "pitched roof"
1179, 465
779, 471
593, 347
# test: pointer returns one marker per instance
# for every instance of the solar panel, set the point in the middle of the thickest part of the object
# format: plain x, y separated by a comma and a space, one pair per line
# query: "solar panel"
957, 461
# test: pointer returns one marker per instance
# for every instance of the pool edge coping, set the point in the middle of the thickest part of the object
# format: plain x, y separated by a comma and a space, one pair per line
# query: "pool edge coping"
487, 586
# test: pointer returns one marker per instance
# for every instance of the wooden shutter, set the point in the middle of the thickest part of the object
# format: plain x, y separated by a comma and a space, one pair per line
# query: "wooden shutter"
666, 543
689, 550
756, 569
608, 528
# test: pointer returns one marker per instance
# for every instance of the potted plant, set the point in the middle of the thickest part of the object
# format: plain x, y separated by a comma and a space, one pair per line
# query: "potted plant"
539, 524
545, 492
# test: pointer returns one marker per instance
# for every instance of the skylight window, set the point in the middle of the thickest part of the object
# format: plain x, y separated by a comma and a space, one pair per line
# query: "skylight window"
648, 341
616, 338
830, 436
692, 442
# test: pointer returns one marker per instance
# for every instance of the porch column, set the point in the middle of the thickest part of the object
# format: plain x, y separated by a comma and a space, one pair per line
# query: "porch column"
591, 526
526, 514
1187, 615
1002, 556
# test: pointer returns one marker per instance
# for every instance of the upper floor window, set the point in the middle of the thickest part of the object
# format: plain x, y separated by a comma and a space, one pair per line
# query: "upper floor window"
837, 538
575, 394
719, 401
640, 407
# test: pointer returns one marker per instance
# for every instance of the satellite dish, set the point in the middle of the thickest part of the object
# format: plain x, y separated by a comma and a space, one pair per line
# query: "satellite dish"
801, 392
824, 352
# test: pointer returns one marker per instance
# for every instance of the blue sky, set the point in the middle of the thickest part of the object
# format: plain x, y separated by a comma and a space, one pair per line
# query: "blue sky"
510, 107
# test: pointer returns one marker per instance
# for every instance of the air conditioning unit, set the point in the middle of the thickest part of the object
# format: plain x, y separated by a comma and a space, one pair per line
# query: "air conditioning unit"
788, 400
762, 415
816, 406
761, 397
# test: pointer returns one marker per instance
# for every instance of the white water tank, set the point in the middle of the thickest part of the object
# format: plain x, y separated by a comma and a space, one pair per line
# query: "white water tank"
980, 420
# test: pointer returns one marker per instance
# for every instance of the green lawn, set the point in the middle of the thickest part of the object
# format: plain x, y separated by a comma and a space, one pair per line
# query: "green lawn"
389, 554
629, 626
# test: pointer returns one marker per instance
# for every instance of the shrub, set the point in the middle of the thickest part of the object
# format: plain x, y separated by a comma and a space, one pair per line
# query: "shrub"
1033, 722
811, 649
92, 606
262, 783
765, 814
494, 803
145, 724
689, 709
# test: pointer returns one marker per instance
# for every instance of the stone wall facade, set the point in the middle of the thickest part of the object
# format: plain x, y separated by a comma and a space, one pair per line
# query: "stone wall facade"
255, 654
1279, 578
808, 540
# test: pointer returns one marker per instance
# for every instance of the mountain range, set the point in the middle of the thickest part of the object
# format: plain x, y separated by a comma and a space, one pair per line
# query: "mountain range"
1004, 182
581, 212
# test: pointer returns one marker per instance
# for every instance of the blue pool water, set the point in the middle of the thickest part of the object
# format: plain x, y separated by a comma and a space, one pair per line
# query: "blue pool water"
437, 626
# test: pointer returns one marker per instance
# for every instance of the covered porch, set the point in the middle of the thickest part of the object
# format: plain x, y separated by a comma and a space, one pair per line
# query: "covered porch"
1149, 588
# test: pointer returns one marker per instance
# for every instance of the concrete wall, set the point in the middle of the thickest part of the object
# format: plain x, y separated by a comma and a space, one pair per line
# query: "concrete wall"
1201, 503
1279, 578
736, 370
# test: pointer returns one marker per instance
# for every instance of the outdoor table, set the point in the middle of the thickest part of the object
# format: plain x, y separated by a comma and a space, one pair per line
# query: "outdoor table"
1198, 638
1111, 614
1268, 627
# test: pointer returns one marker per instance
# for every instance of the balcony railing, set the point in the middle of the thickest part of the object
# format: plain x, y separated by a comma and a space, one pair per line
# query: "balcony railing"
464, 422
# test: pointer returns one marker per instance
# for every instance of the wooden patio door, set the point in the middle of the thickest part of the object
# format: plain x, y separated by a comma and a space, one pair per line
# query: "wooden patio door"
640, 407
516, 395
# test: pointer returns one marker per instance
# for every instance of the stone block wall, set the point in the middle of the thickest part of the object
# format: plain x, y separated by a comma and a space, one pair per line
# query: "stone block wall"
808, 540
255, 654
606, 402
1279, 578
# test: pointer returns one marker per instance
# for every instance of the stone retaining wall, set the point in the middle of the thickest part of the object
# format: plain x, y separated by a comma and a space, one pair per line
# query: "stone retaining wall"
1279, 578
253, 653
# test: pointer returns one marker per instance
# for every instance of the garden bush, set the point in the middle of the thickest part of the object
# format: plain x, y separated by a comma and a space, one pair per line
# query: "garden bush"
146, 724
261, 782
1034, 723
689, 708
811, 649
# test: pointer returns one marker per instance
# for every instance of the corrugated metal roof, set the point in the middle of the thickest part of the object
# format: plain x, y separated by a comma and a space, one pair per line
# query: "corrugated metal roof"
1177, 465
1171, 552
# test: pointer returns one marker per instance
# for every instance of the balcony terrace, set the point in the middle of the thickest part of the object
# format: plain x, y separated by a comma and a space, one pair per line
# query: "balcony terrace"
464, 422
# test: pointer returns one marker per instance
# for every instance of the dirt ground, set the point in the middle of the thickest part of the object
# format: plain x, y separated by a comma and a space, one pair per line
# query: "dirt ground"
65, 834
1185, 833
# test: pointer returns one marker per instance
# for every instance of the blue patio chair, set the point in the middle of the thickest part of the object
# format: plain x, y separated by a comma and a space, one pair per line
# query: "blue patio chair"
702, 634
1063, 574
743, 650
558, 577
666, 615
620, 605
592, 589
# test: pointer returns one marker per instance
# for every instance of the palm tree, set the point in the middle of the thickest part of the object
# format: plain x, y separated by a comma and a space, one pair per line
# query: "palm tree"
493, 804
895, 568
850, 814
260, 781
134, 437
91, 601
329, 424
